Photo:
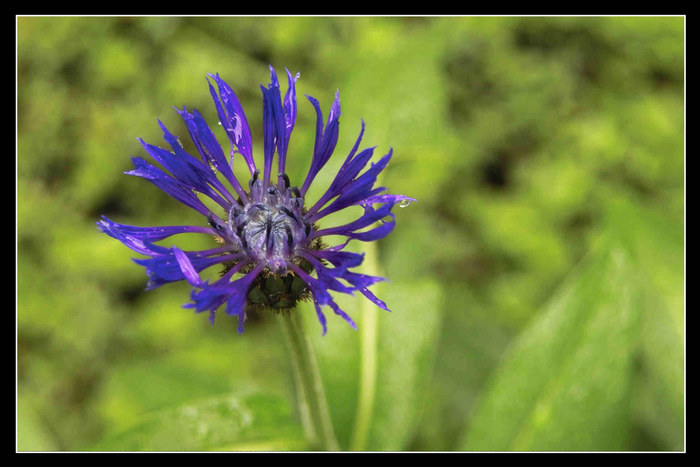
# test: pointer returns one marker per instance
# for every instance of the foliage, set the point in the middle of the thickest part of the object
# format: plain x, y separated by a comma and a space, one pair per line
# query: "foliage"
537, 286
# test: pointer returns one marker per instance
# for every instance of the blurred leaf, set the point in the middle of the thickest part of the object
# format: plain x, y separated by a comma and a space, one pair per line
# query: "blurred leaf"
31, 435
228, 423
566, 383
657, 241
471, 344
200, 361
339, 363
139, 387
406, 342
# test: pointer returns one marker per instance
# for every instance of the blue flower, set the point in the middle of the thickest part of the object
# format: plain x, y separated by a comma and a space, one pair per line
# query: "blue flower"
265, 233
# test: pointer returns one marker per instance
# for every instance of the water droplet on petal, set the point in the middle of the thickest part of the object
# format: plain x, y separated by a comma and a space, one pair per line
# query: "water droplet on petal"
404, 203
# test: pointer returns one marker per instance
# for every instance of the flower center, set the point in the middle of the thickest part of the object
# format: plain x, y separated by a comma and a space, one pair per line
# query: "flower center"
269, 234
271, 226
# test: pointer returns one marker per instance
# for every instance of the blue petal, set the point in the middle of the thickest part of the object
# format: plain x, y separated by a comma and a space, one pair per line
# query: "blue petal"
166, 268
233, 120
339, 259
370, 217
184, 168
328, 277
208, 299
326, 139
373, 298
360, 188
341, 313
141, 244
321, 317
238, 295
188, 168
212, 296
270, 129
353, 191
188, 270
280, 119
150, 234
349, 170
396, 199
170, 185
361, 281
320, 295
290, 104
209, 147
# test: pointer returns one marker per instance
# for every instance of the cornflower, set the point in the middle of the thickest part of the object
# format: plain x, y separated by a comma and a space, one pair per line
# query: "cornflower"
265, 234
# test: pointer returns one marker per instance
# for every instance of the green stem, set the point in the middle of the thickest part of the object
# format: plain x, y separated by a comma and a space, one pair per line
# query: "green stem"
313, 407
368, 357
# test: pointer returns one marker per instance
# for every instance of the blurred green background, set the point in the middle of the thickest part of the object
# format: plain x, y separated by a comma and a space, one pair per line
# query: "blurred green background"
537, 286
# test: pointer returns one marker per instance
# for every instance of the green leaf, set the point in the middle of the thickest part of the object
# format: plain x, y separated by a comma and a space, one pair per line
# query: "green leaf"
31, 434
251, 422
566, 382
406, 347
404, 343
657, 241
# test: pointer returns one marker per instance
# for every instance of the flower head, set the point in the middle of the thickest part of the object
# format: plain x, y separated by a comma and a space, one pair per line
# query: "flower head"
264, 233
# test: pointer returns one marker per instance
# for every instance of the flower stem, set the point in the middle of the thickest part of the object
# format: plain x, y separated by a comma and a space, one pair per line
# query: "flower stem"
313, 407
368, 359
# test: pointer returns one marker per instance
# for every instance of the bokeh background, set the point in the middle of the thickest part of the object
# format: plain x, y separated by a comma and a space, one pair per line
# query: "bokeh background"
537, 286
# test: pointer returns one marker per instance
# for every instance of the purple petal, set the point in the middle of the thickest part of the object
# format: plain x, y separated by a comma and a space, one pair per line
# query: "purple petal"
356, 146
339, 259
360, 188
341, 313
139, 244
361, 281
321, 317
238, 295
370, 217
328, 277
212, 296
209, 147
373, 298
353, 191
318, 290
349, 170
166, 268
233, 120
320, 294
172, 186
290, 104
401, 200
151, 234
270, 131
188, 168
187, 268
326, 139
280, 118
